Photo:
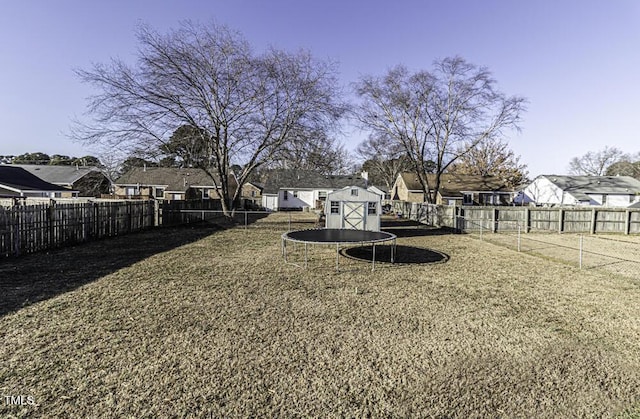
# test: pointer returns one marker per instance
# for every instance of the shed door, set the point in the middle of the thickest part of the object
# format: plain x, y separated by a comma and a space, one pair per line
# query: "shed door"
353, 215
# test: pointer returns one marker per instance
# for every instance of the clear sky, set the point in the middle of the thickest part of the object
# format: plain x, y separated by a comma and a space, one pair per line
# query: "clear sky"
577, 61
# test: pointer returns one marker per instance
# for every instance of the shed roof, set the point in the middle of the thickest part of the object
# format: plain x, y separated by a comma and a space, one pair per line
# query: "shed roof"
346, 191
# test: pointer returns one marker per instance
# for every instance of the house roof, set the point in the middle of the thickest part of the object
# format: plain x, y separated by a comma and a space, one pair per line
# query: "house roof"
17, 178
308, 179
580, 186
380, 188
59, 175
171, 178
452, 185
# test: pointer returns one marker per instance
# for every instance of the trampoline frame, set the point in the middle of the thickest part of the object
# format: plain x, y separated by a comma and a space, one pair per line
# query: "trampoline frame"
286, 238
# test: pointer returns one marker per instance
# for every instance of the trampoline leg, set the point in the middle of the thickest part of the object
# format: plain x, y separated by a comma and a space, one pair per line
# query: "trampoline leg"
284, 250
337, 256
373, 259
393, 251
305, 256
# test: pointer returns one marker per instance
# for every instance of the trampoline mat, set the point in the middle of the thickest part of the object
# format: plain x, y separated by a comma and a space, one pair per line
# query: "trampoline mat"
335, 235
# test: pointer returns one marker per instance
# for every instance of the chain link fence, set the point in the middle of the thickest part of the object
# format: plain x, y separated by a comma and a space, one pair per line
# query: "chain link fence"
612, 253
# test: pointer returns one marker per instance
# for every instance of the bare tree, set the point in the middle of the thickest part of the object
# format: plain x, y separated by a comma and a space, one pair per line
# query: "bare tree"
628, 165
595, 163
437, 116
383, 157
314, 151
245, 107
492, 157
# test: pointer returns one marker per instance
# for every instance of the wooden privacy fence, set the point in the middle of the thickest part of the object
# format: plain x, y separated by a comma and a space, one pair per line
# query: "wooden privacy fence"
33, 228
529, 219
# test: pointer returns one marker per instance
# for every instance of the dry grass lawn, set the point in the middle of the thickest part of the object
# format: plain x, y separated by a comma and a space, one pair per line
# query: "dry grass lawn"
190, 322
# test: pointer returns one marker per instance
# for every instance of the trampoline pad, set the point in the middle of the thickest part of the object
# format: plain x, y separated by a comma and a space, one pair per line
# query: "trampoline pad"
334, 235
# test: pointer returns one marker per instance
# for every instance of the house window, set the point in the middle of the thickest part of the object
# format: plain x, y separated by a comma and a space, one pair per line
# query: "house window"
253, 194
354, 192
159, 192
130, 191
205, 193
467, 198
295, 194
322, 195
335, 207
372, 208
285, 195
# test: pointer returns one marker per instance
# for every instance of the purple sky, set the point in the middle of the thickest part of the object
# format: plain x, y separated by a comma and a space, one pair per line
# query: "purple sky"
577, 61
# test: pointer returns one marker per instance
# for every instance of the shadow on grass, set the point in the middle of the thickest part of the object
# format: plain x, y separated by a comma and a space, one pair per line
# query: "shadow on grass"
408, 228
404, 254
40, 276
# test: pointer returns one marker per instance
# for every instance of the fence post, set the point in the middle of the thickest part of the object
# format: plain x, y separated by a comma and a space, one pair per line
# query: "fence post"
593, 221
50, 225
580, 256
156, 213
627, 222
527, 220
16, 230
560, 220
454, 219
245, 219
494, 215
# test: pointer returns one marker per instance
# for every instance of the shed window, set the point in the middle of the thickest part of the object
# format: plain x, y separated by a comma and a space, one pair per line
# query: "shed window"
354, 192
372, 208
335, 207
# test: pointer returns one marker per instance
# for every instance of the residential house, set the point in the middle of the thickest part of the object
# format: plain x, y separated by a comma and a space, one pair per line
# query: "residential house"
16, 182
286, 189
168, 183
383, 191
608, 191
86, 180
251, 195
454, 189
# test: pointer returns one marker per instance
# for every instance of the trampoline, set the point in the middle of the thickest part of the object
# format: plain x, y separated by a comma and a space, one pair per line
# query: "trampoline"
337, 237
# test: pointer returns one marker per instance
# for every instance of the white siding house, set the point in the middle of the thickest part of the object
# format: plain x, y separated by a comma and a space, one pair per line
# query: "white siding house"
302, 189
353, 208
608, 191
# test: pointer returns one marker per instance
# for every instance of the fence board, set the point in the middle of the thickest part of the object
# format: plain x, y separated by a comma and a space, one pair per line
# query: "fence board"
562, 219
33, 228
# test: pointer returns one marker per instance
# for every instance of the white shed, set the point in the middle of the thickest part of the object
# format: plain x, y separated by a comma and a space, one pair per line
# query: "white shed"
353, 208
